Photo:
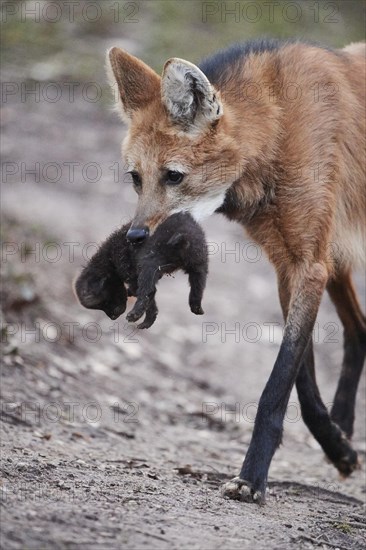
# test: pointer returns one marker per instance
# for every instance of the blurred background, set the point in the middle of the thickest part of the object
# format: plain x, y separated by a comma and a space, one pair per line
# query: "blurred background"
184, 392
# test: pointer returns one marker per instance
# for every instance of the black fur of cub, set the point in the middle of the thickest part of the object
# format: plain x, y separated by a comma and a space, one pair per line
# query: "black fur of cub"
178, 243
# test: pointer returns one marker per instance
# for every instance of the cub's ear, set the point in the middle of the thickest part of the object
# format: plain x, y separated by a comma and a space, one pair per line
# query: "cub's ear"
178, 239
134, 83
188, 95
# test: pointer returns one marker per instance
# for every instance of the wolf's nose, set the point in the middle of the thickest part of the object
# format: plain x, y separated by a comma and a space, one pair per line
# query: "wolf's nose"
137, 235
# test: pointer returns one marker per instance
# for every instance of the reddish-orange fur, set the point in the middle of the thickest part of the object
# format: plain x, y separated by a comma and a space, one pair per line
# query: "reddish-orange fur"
293, 171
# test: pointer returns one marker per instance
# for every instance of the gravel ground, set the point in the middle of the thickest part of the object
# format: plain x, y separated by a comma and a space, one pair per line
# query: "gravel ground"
114, 438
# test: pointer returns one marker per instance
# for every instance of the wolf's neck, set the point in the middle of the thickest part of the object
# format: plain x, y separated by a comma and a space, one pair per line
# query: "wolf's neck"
256, 129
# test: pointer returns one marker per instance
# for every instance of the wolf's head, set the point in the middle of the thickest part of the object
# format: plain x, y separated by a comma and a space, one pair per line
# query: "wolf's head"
178, 148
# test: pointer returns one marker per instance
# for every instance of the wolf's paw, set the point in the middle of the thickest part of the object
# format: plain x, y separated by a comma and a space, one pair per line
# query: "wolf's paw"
239, 489
348, 461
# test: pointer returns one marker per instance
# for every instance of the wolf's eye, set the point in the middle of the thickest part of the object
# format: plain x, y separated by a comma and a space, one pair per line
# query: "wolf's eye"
173, 177
136, 179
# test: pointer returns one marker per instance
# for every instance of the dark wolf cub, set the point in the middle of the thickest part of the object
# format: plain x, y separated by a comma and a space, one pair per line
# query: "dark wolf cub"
101, 284
178, 243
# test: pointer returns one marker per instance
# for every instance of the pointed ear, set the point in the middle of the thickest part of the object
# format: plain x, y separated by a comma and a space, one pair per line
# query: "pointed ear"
188, 94
178, 239
135, 84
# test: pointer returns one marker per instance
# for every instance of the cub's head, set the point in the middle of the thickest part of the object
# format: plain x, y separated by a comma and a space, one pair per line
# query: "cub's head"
106, 292
177, 149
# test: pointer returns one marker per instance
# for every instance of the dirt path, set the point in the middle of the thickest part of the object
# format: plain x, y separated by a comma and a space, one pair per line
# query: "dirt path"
118, 439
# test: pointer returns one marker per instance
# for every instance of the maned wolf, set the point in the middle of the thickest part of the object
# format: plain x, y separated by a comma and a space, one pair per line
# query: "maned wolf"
272, 135
178, 243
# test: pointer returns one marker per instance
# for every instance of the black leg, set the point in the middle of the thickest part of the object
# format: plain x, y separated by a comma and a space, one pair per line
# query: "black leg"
316, 417
151, 315
314, 412
343, 295
147, 280
138, 309
308, 287
197, 281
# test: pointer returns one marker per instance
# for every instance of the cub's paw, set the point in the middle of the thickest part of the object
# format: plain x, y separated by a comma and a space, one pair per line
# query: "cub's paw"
114, 312
134, 315
136, 312
197, 309
239, 489
146, 323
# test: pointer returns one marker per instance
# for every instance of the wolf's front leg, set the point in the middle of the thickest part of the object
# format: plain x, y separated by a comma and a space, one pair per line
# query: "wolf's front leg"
309, 284
197, 281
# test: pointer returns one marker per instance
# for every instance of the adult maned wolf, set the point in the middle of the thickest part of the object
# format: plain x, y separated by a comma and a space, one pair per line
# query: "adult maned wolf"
272, 135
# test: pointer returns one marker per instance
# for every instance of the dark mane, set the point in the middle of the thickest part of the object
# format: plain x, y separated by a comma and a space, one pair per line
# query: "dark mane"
216, 65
